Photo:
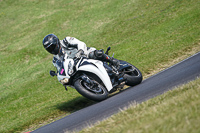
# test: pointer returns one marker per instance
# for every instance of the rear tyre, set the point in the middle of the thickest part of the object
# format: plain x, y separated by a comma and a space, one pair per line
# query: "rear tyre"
94, 92
133, 76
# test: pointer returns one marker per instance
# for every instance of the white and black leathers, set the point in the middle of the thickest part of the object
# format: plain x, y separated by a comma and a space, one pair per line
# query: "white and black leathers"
69, 47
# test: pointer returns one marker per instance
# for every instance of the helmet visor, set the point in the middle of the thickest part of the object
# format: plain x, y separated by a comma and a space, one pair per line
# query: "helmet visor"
53, 49
56, 50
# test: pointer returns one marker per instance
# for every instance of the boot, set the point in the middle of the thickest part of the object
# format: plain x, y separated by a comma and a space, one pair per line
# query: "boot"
114, 62
99, 55
111, 60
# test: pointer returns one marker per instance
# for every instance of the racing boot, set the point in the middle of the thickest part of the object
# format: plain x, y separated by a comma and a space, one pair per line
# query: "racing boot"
114, 62
99, 55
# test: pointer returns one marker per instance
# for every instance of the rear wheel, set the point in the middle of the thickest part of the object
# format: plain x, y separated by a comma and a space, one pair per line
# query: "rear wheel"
94, 91
133, 75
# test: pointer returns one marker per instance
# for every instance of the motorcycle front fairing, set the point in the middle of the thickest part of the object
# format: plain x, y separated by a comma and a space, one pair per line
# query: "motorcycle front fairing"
65, 71
96, 67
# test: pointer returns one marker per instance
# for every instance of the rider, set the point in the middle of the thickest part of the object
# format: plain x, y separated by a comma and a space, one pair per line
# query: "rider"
73, 48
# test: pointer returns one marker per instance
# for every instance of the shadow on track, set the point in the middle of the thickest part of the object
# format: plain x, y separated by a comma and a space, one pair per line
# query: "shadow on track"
81, 102
74, 104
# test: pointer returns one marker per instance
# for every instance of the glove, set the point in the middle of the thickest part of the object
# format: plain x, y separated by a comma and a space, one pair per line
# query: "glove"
57, 63
79, 53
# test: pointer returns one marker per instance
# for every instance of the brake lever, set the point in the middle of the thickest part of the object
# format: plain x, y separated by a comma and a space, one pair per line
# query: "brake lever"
113, 55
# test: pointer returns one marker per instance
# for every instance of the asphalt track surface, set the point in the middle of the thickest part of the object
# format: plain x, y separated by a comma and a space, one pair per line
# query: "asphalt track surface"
181, 73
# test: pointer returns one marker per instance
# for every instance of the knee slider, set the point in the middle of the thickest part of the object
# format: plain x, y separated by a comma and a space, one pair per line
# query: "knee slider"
98, 53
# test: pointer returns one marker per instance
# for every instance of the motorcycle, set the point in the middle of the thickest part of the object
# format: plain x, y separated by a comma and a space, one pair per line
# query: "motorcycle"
95, 79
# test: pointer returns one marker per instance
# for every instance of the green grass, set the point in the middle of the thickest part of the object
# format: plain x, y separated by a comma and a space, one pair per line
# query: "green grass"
148, 34
176, 111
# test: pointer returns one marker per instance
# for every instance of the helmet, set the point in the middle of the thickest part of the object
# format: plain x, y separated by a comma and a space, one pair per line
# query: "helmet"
51, 43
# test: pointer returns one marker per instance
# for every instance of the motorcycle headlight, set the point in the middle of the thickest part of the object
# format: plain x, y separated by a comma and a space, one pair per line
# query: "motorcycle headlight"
70, 69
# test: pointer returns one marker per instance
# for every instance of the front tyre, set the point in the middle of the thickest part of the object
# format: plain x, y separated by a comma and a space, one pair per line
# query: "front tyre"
133, 75
94, 92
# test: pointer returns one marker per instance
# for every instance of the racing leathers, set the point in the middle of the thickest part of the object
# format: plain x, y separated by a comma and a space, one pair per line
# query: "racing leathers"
72, 47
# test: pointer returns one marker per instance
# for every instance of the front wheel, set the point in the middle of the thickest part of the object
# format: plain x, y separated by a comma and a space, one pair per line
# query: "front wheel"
133, 75
94, 91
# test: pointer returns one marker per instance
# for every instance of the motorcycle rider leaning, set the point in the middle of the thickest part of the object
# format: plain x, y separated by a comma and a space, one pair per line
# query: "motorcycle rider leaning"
73, 48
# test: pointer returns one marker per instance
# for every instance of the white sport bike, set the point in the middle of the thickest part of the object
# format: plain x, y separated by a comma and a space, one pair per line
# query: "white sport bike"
95, 79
